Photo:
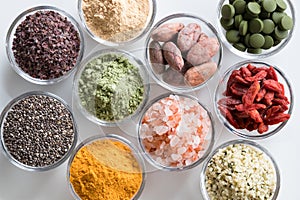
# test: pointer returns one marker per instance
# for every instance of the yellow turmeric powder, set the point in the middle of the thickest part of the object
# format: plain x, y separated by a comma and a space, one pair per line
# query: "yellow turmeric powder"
105, 169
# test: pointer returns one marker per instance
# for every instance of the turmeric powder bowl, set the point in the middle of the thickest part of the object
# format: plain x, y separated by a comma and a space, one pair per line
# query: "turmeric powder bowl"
106, 167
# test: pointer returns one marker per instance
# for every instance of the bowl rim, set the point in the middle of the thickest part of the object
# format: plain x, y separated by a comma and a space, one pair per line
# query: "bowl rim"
239, 132
148, 24
186, 167
115, 137
250, 143
2, 120
10, 37
265, 53
99, 53
148, 40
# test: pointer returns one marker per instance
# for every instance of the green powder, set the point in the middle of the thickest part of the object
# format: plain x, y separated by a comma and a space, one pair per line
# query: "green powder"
110, 87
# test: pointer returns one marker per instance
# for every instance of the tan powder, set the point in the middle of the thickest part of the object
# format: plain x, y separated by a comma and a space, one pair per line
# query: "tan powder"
116, 20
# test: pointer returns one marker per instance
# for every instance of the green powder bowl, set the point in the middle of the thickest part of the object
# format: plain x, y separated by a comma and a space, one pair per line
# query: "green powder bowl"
110, 87
263, 17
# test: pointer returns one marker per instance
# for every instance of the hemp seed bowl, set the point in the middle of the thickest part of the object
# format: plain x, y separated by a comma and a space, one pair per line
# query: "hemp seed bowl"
116, 22
110, 87
256, 29
44, 45
183, 52
106, 167
240, 169
38, 131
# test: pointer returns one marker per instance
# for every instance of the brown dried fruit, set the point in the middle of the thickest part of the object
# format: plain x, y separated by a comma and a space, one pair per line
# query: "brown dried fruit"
156, 57
211, 44
199, 74
173, 77
198, 55
188, 36
173, 56
166, 32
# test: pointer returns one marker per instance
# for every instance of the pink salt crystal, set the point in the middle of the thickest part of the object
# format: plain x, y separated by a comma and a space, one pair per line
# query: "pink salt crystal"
181, 150
176, 157
160, 130
168, 112
174, 141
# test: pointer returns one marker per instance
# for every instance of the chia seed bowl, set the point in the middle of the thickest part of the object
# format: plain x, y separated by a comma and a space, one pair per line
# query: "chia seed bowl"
52, 53
38, 131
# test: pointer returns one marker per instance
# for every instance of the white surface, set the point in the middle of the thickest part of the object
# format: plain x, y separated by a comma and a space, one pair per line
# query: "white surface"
16, 184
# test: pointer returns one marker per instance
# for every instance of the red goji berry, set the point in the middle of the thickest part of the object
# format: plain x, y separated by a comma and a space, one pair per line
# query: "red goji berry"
249, 96
272, 85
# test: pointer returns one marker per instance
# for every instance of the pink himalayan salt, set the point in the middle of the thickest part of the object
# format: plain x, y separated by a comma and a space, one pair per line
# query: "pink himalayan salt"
173, 131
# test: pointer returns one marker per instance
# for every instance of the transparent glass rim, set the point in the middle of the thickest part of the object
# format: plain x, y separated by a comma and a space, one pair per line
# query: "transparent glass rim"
146, 56
166, 168
246, 142
10, 35
265, 53
99, 53
150, 20
3, 117
115, 137
239, 132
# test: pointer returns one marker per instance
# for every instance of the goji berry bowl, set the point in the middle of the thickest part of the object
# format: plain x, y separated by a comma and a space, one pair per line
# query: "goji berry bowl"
183, 52
254, 99
255, 29
175, 132
44, 45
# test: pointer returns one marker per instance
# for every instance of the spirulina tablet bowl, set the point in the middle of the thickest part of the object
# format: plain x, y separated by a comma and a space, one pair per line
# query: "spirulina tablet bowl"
93, 162
118, 23
38, 131
52, 53
111, 87
254, 99
226, 170
183, 52
255, 29
175, 132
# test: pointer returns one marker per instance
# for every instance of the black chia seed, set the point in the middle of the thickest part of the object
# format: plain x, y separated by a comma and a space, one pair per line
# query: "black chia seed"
38, 130
46, 45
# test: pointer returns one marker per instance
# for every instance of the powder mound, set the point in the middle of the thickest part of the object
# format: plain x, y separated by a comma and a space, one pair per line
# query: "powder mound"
116, 20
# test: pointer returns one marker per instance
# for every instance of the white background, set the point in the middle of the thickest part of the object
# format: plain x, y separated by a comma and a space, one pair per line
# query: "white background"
16, 184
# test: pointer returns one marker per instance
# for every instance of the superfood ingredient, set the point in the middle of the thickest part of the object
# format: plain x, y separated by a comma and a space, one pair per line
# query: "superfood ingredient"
116, 20
254, 99
184, 46
240, 171
198, 74
110, 87
173, 131
46, 45
38, 130
247, 20
105, 169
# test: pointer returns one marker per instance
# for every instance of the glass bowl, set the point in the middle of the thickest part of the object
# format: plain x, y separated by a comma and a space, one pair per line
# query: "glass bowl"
112, 25
114, 157
105, 102
178, 136
225, 150
290, 11
242, 116
25, 113
10, 38
183, 78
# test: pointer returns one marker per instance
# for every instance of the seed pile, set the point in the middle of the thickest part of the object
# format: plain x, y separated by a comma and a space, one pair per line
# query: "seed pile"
240, 172
38, 131
46, 45
111, 87
173, 131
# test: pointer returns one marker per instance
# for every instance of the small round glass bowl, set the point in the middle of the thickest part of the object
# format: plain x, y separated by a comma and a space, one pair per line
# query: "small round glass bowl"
176, 132
38, 131
239, 151
10, 38
106, 100
106, 157
207, 53
290, 11
106, 20
268, 99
